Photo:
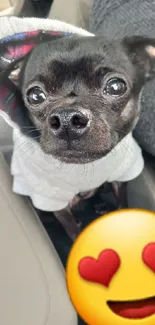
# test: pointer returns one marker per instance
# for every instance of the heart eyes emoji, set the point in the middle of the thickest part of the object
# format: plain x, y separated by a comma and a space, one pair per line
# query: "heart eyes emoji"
100, 270
148, 256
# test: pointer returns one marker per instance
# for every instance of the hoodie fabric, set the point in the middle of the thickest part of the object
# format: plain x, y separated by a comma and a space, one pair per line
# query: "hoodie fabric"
120, 18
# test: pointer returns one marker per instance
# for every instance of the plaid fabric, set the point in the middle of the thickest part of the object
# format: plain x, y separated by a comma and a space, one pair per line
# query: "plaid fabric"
12, 49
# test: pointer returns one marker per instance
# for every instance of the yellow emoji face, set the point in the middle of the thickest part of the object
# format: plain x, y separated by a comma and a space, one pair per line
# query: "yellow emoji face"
111, 270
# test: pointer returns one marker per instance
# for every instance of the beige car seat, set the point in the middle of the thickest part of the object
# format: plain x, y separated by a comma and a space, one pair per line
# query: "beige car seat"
10, 7
75, 12
32, 279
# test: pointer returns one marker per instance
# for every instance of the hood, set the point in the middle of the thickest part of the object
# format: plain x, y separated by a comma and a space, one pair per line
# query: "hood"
18, 36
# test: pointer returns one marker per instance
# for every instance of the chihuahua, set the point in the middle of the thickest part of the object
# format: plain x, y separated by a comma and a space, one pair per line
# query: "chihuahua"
81, 102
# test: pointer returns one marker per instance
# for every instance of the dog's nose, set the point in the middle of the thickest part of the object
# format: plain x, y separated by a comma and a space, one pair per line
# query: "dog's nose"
69, 123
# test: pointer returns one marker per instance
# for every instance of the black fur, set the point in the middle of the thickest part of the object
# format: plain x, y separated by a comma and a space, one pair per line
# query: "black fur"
73, 73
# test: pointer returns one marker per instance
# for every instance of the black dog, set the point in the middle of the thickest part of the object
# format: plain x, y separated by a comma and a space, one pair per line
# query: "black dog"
81, 97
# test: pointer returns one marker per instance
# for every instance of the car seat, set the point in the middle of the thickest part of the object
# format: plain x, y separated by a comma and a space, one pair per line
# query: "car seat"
10, 7
32, 279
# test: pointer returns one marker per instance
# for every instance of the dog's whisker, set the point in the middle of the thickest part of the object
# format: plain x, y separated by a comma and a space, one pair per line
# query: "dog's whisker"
120, 131
24, 151
18, 146
31, 153
24, 147
128, 149
85, 171
30, 127
31, 132
29, 149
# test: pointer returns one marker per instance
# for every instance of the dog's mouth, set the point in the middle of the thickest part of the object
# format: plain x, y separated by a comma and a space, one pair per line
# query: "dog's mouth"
137, 309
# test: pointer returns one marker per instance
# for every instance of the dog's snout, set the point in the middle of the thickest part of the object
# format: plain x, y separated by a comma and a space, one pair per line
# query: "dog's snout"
73, 123
79, 121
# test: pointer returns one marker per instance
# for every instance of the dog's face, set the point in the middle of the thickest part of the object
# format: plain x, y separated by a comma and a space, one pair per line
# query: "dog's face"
82, 93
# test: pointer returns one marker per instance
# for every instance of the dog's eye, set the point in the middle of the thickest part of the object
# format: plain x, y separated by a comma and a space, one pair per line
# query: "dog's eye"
115, 87
36, 96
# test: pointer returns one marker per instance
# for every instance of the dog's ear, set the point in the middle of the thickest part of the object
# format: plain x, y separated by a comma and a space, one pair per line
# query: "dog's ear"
15, 49
15, 73
141, 51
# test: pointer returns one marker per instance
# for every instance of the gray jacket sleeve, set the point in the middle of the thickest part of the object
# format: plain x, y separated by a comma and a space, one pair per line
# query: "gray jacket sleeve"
119, 18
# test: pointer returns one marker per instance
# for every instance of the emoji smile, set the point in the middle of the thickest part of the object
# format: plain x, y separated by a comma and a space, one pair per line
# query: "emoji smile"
137, 309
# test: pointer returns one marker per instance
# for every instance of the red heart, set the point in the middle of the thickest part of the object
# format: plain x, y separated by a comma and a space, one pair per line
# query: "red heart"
100, 270
148, 256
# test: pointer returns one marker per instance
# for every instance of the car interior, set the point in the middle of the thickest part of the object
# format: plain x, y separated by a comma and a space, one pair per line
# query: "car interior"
31, 271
